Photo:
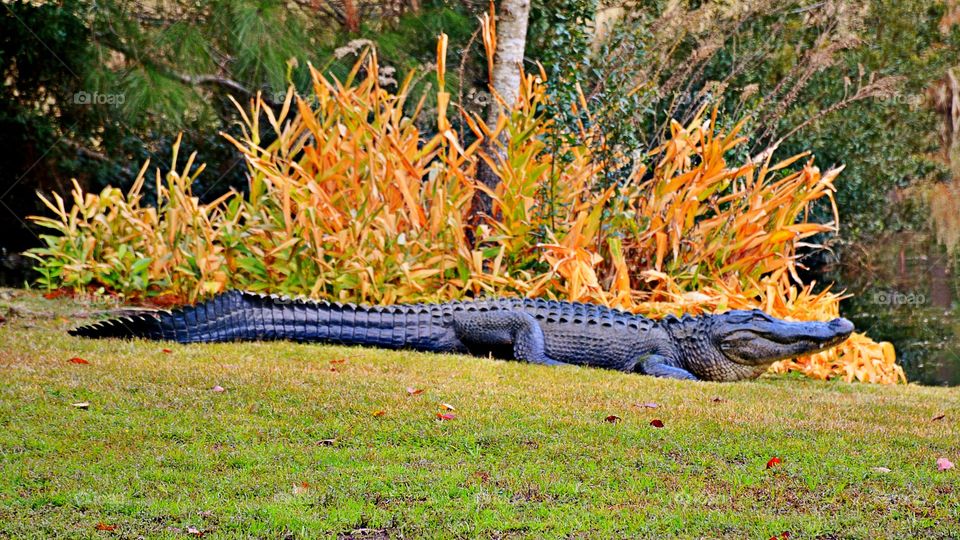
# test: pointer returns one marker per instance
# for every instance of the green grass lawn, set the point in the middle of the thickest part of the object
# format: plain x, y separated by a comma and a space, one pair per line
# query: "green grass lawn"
317, 441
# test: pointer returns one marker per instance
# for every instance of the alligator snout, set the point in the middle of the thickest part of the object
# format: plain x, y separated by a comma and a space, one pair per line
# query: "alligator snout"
842, 327
824, 333
834, 332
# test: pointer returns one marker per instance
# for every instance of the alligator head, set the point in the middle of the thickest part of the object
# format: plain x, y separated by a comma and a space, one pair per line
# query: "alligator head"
742, 344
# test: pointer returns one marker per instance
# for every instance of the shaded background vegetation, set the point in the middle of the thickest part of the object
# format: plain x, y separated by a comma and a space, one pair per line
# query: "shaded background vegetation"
92, 89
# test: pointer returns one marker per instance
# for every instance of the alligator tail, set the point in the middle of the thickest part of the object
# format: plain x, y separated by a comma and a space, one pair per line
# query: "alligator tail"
244, 316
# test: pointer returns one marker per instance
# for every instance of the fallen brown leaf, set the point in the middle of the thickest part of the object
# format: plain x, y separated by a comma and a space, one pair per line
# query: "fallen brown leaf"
378, 414
105, 527
414, 391
940, 416
613, 419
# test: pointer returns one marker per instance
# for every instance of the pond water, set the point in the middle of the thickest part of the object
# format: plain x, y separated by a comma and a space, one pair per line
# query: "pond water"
905, 291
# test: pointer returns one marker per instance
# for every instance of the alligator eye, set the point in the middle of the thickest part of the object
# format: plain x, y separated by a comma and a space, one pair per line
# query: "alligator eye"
730, 346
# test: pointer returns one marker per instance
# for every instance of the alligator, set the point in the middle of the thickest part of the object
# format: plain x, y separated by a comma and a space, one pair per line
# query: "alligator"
729, 346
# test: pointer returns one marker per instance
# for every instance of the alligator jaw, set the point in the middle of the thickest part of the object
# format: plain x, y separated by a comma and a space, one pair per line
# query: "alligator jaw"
761, 339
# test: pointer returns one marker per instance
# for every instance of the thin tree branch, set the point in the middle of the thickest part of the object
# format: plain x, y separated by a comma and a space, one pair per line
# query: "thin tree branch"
327, 8
225, 83
209, 80
874, 89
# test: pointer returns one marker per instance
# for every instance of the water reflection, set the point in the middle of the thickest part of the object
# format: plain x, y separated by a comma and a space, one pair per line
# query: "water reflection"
905, 292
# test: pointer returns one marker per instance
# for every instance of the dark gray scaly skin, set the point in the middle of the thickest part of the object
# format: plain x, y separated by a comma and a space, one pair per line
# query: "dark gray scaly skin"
729, 346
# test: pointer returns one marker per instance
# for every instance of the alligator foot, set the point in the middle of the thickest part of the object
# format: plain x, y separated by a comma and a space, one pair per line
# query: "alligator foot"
493, 329
657, 366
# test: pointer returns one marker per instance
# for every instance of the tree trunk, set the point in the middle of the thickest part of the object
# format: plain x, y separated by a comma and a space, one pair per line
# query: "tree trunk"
945, 98
351, 16
508, 63
508, 60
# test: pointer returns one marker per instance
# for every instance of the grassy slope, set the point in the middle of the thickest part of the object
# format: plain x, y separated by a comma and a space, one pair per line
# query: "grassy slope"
529, 453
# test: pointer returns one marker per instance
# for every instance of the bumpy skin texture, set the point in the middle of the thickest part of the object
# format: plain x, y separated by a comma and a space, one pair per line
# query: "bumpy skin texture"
726, 347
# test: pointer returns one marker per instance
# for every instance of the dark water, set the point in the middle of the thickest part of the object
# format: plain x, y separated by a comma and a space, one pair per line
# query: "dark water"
905, 291
14, 269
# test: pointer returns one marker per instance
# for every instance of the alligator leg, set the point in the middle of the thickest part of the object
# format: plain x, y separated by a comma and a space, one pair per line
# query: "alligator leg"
492, 329
657, 366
